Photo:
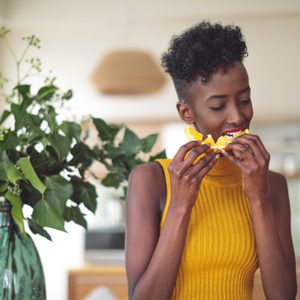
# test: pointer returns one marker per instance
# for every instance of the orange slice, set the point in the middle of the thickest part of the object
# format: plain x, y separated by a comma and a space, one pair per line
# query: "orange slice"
222, 141
193, 134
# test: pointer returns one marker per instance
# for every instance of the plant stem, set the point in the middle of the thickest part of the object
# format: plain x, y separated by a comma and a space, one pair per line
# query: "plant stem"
19, 63
24, 54
10, 50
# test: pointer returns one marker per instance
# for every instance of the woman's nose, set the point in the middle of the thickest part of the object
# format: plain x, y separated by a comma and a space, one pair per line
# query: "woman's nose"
235, 117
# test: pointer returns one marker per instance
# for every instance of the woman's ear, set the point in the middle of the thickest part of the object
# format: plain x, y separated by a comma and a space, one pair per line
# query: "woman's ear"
185, 112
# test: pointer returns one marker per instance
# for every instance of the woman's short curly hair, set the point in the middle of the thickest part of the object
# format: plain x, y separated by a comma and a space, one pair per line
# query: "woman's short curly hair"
199, 51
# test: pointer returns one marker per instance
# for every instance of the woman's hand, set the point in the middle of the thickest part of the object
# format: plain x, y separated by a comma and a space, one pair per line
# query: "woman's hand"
186, 175
250, 155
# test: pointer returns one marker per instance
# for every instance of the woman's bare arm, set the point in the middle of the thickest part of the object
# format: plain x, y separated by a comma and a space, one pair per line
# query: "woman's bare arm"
270, 210
153, 256
271, 222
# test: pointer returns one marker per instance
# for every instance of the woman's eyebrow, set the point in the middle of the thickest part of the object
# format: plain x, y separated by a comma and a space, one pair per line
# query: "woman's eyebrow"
220, 96
246, 89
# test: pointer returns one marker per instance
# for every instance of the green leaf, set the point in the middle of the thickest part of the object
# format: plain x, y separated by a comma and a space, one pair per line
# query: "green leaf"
24, 96
30, 174
10, 142
4, 116
30, 196
46, 216
24, 119
82, 155
148, 142
106, 132
131, 144
3, 187
111, 180
12, 173
74, 214
159, 155
46, 93
59, 190
71, 130
84, 192
112, 151
16, 212
2, 173
132, 163
23, 89
41, 162
67, 95
49, 115
60, 144
37, 229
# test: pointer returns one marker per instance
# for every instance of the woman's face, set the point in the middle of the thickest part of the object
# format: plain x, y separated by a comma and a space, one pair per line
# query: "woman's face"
223, 104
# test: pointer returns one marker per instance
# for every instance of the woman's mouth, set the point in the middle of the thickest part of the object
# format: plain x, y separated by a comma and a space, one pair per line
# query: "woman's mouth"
232, 132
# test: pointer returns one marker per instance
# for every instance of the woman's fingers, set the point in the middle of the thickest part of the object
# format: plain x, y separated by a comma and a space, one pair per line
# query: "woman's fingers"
257, 147
248, 153
237, 161
180, 167
207, 168
184, 149
241, 151
194, 153
204, 165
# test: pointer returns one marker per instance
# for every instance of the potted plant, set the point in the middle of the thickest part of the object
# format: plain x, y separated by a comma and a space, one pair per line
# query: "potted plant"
43, 165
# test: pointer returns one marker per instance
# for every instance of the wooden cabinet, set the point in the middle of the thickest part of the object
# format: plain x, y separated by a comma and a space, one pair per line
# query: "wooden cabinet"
84, 280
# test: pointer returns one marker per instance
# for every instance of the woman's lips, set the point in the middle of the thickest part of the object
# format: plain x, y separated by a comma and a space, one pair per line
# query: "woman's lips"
231, 130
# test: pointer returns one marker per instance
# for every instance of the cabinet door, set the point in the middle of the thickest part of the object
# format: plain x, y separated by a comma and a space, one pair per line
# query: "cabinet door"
86, 283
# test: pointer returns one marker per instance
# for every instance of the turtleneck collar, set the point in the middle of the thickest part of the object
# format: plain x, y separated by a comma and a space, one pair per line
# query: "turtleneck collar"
224, 172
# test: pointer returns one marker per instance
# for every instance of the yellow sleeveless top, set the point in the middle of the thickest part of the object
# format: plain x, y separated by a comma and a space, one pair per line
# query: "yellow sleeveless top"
219, 257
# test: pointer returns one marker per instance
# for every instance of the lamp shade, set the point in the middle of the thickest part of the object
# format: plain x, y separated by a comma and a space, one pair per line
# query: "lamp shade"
128, 72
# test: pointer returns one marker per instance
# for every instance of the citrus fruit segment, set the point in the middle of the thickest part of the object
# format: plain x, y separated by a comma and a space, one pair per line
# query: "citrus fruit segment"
193, 134
222, 141
209, 140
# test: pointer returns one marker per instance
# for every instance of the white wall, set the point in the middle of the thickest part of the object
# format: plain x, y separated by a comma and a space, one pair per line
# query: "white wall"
75, 34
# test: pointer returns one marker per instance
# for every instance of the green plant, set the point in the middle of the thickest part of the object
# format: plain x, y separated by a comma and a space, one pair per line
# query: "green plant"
44, 161
120, 150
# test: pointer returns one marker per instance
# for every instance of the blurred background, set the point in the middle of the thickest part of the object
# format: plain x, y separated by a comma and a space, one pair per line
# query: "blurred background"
80, 39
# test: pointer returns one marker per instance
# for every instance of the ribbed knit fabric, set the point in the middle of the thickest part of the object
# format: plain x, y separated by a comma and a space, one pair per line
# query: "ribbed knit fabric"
219, 257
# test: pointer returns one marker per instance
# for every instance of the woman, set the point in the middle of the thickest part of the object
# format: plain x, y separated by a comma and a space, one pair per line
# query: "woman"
201, 230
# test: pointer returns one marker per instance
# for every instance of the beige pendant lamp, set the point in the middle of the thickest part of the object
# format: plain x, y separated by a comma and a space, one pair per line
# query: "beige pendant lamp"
128, 72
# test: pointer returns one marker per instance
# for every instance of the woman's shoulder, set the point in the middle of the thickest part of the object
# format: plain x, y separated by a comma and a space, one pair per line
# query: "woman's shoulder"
276, 180
278, 189
150, 173
149, 179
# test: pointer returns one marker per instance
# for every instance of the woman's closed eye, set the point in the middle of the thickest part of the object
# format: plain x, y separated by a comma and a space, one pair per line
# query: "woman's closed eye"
217, 107
245, 101
220, 107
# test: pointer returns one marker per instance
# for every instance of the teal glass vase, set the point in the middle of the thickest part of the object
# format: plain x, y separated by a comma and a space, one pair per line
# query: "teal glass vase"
21, 271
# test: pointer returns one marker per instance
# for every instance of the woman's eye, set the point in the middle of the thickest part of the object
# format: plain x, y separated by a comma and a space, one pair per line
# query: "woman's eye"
217, 108
245, 101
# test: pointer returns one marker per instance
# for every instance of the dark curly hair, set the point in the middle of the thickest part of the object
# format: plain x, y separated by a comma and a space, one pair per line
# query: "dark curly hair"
199, 51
